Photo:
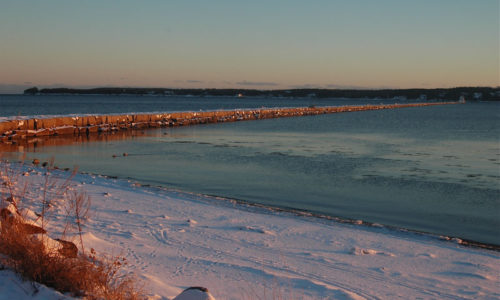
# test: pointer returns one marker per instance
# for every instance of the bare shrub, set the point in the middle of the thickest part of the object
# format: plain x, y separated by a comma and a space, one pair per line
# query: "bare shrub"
77, 210
33, 255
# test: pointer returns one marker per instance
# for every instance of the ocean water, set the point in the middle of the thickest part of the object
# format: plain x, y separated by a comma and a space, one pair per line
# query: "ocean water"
431, 169
27, 105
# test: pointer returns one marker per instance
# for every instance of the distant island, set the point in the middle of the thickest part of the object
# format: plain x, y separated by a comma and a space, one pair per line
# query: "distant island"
469, 93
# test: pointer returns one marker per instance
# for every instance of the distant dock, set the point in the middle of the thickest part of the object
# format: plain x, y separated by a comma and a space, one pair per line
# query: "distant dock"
15, 130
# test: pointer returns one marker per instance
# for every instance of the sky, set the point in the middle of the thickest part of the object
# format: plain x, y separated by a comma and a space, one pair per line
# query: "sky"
270, 44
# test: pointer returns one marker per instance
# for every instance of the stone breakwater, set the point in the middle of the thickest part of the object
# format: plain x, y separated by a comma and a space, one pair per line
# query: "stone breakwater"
87, 125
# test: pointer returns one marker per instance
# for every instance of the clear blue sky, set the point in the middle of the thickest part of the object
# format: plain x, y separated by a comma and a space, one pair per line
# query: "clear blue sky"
252, 44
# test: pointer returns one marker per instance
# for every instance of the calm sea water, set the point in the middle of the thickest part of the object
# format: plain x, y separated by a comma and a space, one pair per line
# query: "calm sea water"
25, 105
433, 169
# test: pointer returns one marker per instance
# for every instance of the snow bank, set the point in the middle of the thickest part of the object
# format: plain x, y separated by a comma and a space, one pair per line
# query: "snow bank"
176, 240
13, 287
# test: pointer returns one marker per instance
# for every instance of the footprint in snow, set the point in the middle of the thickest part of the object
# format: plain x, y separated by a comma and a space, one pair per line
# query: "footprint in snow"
465, 264
464, 275
361, 251
381, 270
429, 255
255, 229
126, 234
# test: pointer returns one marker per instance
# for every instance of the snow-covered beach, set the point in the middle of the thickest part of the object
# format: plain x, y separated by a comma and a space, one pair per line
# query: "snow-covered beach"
174, 240
267, 150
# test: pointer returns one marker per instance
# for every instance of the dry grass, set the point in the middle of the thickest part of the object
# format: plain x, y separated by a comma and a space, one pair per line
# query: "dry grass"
32, 255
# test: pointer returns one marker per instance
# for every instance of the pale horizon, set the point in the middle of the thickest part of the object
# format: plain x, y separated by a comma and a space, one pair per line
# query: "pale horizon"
257, 45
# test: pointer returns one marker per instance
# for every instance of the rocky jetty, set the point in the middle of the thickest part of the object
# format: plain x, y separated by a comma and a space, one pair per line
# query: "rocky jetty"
87, 125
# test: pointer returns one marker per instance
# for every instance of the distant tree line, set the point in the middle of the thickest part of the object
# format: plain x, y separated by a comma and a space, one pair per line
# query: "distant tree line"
470, 93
